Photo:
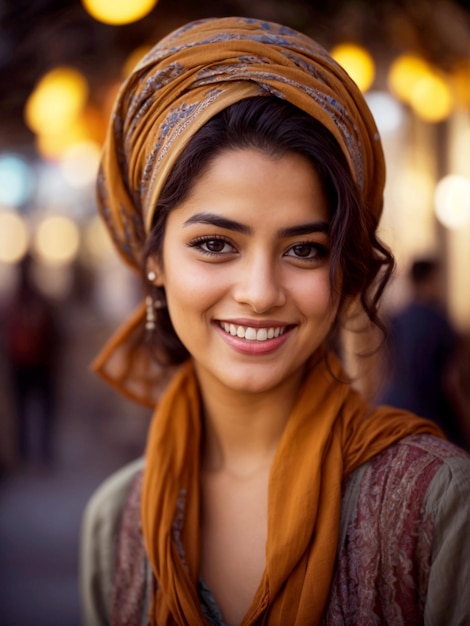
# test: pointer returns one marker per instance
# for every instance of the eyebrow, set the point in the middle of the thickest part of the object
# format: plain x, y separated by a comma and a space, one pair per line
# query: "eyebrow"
320, 226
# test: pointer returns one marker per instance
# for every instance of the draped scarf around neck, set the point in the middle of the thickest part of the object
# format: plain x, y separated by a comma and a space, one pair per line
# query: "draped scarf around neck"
330, 432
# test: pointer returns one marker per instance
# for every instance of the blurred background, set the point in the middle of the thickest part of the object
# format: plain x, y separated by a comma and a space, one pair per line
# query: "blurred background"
63, 290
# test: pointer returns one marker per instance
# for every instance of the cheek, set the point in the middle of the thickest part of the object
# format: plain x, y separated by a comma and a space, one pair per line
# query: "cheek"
193, 287
315, 296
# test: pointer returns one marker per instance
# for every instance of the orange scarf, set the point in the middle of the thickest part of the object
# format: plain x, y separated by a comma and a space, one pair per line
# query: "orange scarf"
330, 432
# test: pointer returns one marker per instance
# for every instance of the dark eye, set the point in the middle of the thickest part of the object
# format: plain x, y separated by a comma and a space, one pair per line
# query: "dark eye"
212, 246
303, 250
215, 245
308, 251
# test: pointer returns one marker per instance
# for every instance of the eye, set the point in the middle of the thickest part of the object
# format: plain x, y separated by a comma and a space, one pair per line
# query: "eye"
215, 246
308, 251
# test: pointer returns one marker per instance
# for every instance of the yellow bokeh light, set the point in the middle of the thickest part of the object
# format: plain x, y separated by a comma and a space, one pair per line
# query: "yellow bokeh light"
14, 237
57, 240
88, 126
118, 11
431, 98
357, 62
405, 73
56, 100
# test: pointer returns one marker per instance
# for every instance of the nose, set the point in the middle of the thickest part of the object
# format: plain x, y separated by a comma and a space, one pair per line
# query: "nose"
259, 283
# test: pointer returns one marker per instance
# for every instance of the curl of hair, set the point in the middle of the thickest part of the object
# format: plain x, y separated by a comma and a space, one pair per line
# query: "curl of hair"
276, 127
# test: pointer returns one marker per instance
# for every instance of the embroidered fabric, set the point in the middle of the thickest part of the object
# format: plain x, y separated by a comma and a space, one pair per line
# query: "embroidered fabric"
383, 566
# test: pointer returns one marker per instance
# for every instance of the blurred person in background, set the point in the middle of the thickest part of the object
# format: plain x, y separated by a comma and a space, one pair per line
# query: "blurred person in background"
242, 179
422, 355
32, 345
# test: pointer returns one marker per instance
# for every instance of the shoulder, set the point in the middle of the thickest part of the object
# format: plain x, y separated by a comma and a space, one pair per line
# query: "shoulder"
418, 468
106, 502
422, 453
99, 535
405, 544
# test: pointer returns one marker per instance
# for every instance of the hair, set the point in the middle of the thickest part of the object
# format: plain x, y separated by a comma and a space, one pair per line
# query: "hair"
277, 127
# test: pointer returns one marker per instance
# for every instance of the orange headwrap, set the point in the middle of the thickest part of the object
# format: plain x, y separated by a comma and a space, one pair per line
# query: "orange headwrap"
187, 78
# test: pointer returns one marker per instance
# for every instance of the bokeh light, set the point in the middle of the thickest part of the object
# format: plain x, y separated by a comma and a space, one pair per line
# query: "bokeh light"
87, 126
79, 164
452, 201
427, 91
118, 11
16, 181
431, 98
56, 101
14, 237
97, 245
57, 240
405, 73
461, 83
358, 63
387, 111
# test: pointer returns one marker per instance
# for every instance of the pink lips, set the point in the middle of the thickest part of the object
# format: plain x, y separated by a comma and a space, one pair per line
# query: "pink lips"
253, 347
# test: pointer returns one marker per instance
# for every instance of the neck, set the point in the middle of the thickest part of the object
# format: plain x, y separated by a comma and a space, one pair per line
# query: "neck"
242, 430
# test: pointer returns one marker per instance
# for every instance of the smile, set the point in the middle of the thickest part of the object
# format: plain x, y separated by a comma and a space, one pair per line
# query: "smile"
252, 334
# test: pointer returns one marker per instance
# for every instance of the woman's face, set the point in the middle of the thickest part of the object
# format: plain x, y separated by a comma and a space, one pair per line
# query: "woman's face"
245, 267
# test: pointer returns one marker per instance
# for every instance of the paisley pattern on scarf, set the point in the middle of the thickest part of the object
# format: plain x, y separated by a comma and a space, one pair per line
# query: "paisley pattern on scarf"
195, 72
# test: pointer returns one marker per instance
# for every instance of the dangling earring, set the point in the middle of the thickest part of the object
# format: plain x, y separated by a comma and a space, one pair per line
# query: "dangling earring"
150, 316
151, 305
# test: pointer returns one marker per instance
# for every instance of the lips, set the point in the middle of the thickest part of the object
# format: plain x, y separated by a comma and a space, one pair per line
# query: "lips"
249, 333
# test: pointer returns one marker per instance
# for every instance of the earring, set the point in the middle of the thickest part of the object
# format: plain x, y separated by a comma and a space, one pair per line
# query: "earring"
150, 313
150, 306
151, 276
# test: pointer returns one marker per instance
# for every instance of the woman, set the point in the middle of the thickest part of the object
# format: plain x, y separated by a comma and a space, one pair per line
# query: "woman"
243, 175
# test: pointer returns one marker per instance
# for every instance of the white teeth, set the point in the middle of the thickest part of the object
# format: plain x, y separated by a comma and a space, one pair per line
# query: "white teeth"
262, 334
252, 334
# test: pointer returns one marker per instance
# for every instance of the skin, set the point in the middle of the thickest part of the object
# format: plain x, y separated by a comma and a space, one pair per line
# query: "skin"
247, 248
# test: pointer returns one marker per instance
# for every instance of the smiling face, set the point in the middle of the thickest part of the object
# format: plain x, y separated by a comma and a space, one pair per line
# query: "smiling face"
245, 267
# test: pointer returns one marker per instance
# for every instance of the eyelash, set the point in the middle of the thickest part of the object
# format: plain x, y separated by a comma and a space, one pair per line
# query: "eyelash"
321, 250
200, 241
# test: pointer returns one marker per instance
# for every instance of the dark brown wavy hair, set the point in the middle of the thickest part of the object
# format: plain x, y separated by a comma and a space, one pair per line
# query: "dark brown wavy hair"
276, 127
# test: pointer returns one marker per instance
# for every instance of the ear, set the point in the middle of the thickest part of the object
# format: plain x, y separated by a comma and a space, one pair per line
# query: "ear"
155, 272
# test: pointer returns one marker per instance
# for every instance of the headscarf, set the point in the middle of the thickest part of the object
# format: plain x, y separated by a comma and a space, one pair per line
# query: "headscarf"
188, 77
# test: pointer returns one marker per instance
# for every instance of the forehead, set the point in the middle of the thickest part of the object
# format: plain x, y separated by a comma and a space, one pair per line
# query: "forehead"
250, 183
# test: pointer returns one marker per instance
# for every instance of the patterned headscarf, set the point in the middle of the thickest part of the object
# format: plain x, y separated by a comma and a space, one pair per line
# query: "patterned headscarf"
186, 79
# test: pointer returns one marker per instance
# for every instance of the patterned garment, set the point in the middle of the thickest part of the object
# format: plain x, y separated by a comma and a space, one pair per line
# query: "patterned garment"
396, 538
